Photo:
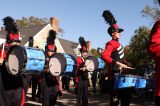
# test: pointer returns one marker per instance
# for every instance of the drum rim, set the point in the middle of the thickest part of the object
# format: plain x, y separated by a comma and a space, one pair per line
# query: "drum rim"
61, 66
25, 59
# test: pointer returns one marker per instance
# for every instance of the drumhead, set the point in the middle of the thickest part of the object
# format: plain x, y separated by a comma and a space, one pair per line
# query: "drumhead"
91, 63
15, 60
57, 64
13, 65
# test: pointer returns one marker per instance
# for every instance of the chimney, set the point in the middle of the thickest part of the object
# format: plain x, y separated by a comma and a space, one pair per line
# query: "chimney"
54, 23
88, 43
2, 29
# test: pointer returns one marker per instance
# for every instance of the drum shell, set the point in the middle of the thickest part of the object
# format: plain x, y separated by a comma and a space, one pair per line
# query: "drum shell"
66, 64
101, 63
140, 82
93, 63
71, 63
35, 59
124, 81
26, 59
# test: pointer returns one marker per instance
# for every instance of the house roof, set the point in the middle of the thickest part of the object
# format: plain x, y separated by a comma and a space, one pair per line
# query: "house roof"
26, 32
68, 46
30, 31
2, 34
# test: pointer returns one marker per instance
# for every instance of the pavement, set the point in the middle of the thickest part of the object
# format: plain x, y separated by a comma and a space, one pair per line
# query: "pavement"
69, 99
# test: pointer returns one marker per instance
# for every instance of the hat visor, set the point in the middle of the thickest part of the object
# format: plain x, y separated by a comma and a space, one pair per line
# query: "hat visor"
51, 50
84, 50
120, 30
15, 40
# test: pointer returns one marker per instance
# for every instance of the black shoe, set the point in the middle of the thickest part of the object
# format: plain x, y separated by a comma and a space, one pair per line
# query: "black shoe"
38, 96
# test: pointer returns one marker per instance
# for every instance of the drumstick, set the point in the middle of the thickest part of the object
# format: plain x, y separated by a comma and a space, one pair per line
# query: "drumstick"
50, 65
131, 68
121, 70
2, 50
88, 63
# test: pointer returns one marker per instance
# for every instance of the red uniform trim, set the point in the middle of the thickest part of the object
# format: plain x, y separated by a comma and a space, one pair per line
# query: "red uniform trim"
4, 54
79, 62
5, 51
23, 98
59, 87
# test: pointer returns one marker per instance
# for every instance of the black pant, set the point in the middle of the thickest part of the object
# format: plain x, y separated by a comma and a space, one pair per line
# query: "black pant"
157, 100
82, 96
49, 97
94, 85
122, 95
35, 84
26, 83
49, 91
11, 89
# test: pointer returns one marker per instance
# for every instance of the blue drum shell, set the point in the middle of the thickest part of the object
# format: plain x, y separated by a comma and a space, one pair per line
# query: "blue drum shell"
124, 81
140, 82
70, 63
101, 63
35, 59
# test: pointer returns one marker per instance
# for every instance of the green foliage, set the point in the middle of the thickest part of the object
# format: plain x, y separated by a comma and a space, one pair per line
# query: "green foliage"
31, 21
136, 51
151, 12
94, 52
34, 21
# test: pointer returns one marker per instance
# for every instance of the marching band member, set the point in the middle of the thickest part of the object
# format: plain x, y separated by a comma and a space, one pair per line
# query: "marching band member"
154, 51
34, 78
50, 84
82, 76
11, 87
114, 55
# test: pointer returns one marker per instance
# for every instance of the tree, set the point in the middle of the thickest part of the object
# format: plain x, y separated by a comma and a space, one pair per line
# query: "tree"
31, 21
136, 51
34, 21
95, 53
152, 12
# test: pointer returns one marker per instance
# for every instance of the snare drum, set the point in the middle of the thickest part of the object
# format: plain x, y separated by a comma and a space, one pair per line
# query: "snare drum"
94, 63
140, 82
124, 81
26, 59
62, 63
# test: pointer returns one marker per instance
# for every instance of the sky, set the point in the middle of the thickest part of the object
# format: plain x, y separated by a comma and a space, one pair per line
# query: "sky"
82, 17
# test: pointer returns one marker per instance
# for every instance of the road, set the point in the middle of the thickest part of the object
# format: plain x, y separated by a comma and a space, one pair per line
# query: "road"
69, 99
